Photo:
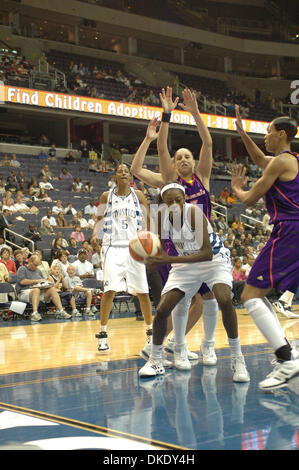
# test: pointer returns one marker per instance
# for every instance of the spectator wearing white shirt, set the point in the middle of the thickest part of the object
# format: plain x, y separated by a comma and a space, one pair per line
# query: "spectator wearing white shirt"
83, 222
20, 206
91, 222
77, 185
84, 269
91, 208
69, 208
75, 286
14, 162
45, 184
58, 208
96, 260
50, 217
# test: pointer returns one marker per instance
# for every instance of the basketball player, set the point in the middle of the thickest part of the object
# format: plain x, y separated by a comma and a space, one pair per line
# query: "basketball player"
196, 192
201, 258
121, 216
277, 265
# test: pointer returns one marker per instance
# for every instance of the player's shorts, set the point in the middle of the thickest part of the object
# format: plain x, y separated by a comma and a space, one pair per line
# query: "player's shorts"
121, 272
188, 277
277, 265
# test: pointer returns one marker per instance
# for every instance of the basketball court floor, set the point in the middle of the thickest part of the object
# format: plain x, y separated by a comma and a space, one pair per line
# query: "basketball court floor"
58, 393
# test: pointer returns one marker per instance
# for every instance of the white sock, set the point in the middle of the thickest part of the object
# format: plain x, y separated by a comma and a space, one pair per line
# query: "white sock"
180, 320
157, 351
235, 346
210, 318
103, 328
266, 322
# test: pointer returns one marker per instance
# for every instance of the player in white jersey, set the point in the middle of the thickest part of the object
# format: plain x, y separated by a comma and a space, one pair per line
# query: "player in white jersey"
201, 258
122, 212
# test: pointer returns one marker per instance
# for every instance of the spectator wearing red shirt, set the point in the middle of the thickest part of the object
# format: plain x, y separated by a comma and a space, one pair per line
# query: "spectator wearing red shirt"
9, 263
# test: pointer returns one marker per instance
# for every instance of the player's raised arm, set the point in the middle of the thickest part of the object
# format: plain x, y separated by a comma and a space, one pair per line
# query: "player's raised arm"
143, 174
255, 153
166, 165
239, 181
204, 167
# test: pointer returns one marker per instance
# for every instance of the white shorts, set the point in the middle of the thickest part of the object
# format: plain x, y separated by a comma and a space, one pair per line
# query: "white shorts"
121, 272
189, 277
25, 296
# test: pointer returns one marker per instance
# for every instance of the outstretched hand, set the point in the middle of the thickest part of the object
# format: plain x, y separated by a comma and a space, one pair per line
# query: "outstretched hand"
167, 103
152, 129
239, 180
190, 101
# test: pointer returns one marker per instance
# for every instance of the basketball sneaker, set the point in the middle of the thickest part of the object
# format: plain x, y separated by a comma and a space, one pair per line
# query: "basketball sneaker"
282, 308
238, 367
207, 350
88, 312
152, 368
76, 313
280, 375
103, 341
169, 348
62, 314
181, 360
35, 316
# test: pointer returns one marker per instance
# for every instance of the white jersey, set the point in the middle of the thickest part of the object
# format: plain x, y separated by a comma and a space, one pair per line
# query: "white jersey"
122, 219
183, 237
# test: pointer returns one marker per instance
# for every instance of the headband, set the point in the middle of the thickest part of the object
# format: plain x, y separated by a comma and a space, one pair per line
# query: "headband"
172, 186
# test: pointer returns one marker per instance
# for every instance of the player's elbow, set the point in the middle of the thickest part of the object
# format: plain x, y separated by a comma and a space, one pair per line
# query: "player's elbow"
208, 253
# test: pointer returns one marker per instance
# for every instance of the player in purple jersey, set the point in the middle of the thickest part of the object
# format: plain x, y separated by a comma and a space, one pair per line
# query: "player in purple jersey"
278, 263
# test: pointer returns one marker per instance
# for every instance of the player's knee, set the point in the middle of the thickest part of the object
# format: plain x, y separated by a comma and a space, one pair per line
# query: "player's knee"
224, 301
162, 311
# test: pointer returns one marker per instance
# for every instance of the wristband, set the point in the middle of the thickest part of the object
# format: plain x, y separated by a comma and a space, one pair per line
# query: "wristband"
166, 117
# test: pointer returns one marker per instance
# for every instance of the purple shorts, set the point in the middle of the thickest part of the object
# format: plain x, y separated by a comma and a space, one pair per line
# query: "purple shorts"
164, 270
277, 265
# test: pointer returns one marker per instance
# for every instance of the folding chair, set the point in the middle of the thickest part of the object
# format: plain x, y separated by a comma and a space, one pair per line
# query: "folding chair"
6, 289
122, 298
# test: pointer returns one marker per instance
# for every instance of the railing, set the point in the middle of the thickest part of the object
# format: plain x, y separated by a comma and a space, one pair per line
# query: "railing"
215, 205
20, 236
247, 217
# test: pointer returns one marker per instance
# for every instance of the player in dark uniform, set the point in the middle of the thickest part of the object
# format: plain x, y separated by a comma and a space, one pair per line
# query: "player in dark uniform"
277, 265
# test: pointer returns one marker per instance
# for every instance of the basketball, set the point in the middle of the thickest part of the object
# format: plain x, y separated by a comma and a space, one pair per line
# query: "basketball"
145, 244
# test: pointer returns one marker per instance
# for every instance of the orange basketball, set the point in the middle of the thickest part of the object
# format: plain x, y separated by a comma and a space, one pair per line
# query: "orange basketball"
145, 244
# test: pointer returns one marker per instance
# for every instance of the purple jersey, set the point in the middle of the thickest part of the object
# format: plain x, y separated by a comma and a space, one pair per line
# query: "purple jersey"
282, 199
196, 193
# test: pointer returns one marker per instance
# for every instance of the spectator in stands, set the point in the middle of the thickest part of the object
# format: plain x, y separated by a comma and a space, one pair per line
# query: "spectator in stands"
90, 208
46, 228
92, 221
61, 258
239, 278
34, 188
69, 157
14, 162
224, 195
247, 264
43, 265
231, 199
77, 185
6, 259
45, 184
237, 224
60, 220
75, 286
2, 187
45, 171
50, 218
81, 220
52, 153
84, 269
20, 206
42, 155
65, 175
32, 234
5, 222
69, 209
27, 278
96, 259
44, 141
77, 234
11, 185
88, 187
23, 198
221, 224
9, 206
84, 150
19, 260
88, 248
73, 246
58, 208
5, 161
43, 196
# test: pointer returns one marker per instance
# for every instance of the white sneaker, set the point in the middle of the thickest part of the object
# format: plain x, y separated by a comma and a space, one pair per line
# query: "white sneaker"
103, 342
146, 352
35, 316
63, 314
152, 368
169, 348
76, 313
88, 312
181, 360
94, 309
209, 357
280, 376
238, 367
280, 308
